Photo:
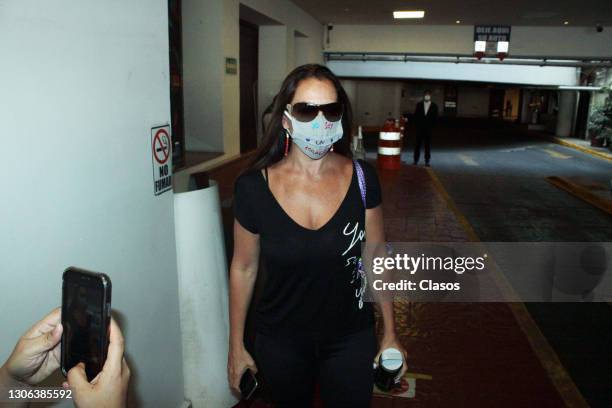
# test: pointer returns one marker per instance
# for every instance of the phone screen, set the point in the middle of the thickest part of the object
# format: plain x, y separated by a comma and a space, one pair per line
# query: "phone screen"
85, 324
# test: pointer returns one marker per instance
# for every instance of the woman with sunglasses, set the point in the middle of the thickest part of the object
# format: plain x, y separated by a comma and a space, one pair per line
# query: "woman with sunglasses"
299, 207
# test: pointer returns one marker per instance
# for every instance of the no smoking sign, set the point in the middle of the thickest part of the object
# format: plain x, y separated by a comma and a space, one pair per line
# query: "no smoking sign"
161, 151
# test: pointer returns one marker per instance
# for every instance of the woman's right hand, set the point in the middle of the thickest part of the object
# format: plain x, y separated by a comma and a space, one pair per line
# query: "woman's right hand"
238, 361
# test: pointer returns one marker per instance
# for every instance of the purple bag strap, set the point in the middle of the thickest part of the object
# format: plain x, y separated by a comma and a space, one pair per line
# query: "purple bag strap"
361, 180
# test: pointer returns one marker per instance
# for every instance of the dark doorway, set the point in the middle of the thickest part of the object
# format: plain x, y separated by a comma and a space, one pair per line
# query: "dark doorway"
176, 83
249, 51
496, 103
582, 114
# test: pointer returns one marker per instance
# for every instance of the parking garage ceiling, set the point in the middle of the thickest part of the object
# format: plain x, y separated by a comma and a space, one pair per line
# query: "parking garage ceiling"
469, 12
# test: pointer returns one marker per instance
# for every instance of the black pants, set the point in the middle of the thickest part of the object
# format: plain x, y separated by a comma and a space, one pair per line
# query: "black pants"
422, 137
290, 365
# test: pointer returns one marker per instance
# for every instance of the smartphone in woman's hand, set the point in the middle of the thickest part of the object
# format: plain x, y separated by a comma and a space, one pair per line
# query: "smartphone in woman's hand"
248, 384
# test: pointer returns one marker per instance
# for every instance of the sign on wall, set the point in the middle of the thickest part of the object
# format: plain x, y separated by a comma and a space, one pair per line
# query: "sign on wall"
161, 152
231, 66
491, 40
492, 33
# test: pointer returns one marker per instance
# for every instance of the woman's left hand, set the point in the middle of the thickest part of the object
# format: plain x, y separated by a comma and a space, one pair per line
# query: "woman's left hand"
392, 341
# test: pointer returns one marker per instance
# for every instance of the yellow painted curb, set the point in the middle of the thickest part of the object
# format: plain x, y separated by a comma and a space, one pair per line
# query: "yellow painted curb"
582, 193
418, 376
467, 227
561, 380
592, 152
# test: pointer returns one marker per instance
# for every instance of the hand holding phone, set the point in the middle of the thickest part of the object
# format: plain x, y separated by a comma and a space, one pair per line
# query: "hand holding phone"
239, 362
248, 384
86, 305
109, 388
37, 354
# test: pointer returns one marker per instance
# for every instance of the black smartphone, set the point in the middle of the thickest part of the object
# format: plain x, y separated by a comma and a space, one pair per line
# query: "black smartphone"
86, 314
248, 384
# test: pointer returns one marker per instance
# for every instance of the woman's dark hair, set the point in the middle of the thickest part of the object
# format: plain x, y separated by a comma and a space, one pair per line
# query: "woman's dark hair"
272, 147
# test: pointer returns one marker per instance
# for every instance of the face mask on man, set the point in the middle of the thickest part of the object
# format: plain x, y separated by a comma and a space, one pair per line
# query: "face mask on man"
315, 137
427, 98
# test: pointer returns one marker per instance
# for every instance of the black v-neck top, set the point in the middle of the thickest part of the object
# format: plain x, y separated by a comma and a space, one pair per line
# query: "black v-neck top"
311, 282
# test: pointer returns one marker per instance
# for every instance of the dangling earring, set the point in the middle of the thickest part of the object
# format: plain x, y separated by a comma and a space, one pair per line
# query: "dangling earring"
286, 143
332, 148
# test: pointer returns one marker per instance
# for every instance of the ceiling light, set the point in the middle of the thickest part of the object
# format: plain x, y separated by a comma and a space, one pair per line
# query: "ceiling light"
409, 14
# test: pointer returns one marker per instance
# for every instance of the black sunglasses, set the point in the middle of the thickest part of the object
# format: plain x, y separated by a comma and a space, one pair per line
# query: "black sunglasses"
305, 112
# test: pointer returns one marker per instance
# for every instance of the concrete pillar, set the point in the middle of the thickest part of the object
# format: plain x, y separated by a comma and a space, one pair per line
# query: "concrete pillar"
526, 110
203, 297
397, 100
273, 64
210, 34
565, 115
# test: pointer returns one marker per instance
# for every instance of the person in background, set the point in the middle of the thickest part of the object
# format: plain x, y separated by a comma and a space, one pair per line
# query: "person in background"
425, 116
37, 355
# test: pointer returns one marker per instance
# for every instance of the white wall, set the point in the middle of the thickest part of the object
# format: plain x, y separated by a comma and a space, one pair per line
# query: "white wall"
498, 73
457, 39
85, 83
375, 101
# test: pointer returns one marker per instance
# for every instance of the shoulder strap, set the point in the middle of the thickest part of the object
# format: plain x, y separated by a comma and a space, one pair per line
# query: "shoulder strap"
361, 180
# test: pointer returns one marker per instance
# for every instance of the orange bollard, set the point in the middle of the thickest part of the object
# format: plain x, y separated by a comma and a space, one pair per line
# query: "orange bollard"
389, 146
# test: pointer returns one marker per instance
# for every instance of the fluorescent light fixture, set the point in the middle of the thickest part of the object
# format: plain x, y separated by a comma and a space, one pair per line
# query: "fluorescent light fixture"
580, 88
409, 14
502, 46
480, 46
